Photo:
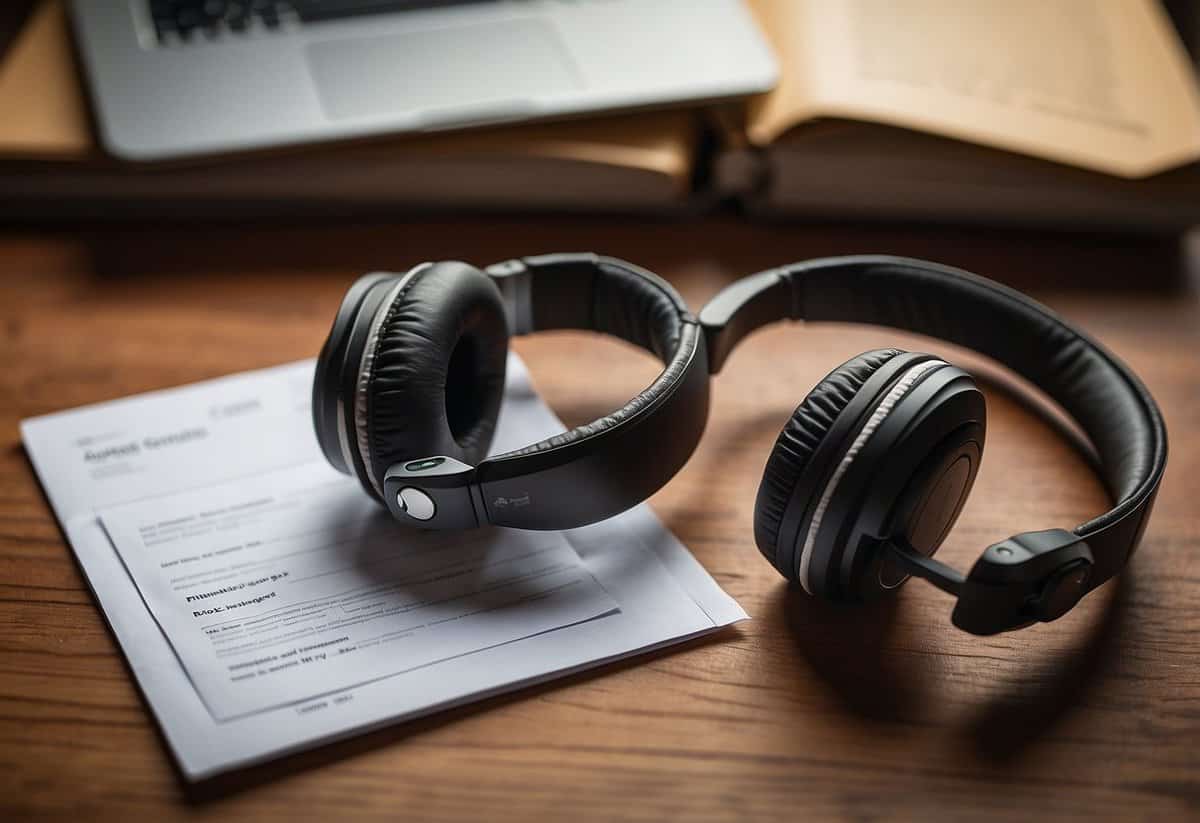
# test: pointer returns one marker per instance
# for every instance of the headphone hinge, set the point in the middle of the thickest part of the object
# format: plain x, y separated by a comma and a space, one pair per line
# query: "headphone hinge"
435, 492
515, 280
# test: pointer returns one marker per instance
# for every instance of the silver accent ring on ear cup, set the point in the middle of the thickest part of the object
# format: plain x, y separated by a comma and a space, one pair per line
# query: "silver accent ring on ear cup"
889, 401
363, 383
343, 437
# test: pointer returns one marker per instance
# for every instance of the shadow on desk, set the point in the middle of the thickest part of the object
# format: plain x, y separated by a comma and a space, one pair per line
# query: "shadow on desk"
853, 650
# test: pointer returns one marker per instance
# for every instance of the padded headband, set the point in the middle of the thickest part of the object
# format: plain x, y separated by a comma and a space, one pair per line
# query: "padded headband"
601, 294
1105, 398
610, 464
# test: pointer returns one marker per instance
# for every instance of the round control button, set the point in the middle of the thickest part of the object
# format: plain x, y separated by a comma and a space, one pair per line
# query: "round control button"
1063, 590
416, 503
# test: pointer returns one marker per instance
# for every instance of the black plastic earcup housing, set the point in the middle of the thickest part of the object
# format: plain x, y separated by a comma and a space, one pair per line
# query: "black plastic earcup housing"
908, 481
799, 440
437, 374
887, 444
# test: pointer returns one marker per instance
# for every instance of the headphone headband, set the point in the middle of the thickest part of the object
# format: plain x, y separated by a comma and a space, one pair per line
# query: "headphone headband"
1093, 386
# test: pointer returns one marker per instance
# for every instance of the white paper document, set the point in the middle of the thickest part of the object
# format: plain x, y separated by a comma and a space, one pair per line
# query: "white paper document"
292, 585
266, 605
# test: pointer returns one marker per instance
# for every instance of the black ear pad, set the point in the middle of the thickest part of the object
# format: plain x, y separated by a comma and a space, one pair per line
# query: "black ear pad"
799, 439
433, 375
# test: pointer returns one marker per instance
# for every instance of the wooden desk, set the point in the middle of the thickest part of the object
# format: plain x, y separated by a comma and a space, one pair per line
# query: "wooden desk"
807, 710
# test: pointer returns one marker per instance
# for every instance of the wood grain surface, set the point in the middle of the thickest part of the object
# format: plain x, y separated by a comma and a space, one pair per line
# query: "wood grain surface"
805, 711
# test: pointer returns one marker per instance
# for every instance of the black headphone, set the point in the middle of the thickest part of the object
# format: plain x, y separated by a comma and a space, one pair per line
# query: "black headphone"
865, 480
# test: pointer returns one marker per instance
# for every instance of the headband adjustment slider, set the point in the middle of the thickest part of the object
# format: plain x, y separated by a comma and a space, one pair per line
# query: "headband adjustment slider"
514, 279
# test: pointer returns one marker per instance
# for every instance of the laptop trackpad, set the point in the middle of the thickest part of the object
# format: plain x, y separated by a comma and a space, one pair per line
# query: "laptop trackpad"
445, 69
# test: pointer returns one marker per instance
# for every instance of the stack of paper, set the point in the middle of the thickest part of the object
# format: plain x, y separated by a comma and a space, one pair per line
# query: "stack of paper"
266, 604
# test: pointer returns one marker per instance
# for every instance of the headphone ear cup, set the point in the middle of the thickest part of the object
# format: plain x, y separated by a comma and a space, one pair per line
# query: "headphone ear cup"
432, 376
791, 458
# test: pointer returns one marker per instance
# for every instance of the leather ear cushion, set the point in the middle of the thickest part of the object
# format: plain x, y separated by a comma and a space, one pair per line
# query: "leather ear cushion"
801, 436
437, 376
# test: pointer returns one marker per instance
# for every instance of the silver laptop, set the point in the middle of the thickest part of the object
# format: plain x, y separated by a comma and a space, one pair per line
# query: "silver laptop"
178, 78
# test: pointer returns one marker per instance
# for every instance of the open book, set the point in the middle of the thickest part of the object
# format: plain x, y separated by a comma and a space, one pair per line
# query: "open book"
1060, 112
1025, 110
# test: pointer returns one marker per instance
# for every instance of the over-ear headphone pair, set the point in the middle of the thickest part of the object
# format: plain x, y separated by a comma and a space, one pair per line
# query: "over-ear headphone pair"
865, 480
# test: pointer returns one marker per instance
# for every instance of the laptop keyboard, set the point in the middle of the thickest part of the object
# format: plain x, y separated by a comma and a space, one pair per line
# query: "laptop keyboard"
198, 20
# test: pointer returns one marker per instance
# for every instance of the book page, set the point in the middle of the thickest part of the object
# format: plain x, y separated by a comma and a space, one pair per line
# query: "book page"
1102, 85
44, 114
662, 142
